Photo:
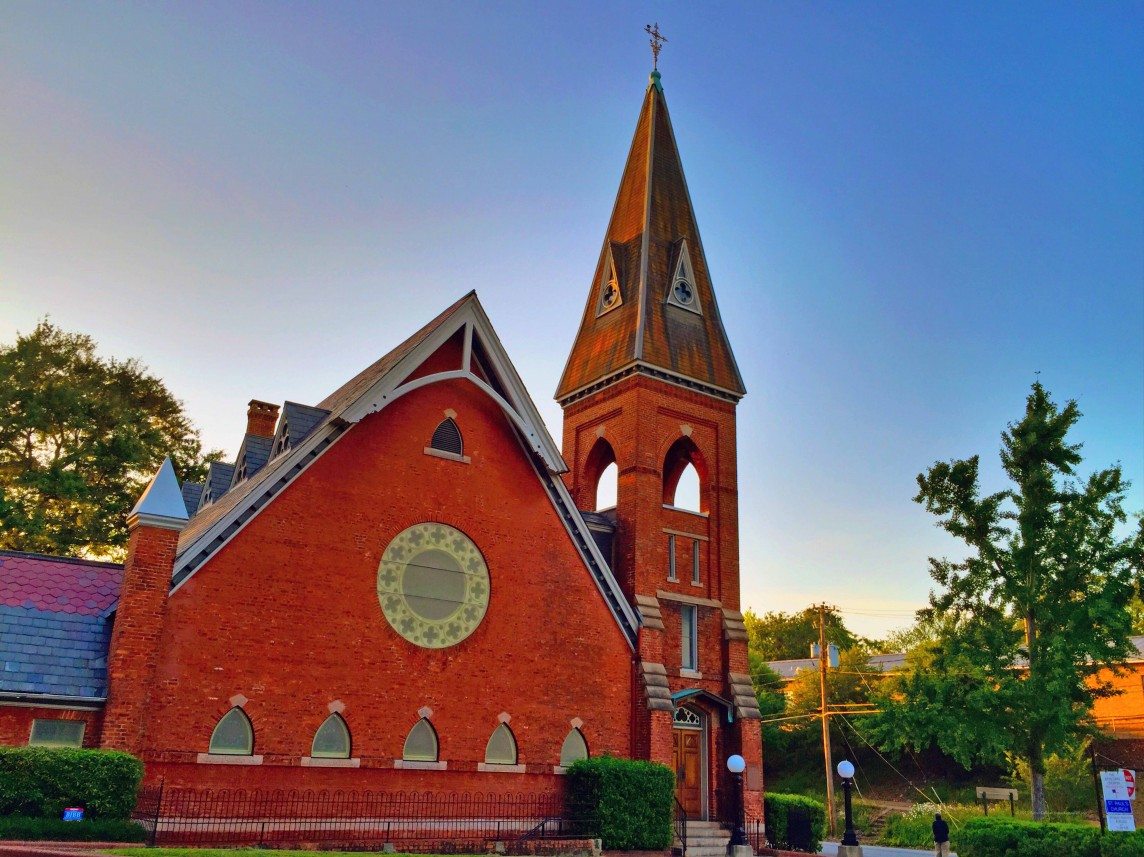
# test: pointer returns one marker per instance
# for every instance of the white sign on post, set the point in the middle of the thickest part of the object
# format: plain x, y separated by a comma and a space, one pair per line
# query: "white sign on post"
1117, 801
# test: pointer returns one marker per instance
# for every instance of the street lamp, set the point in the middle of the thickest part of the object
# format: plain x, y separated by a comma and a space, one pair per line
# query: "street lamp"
736, 764
846, 771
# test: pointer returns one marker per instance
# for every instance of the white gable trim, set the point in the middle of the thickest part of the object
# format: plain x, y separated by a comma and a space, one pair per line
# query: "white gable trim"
518, 407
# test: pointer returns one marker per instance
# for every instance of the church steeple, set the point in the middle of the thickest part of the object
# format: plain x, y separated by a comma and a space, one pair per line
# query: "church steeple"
651, 309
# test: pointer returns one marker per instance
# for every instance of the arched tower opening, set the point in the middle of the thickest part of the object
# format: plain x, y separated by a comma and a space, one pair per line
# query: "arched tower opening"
685, 477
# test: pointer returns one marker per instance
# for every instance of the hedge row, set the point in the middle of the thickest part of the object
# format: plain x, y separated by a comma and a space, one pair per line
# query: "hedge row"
985, 837
775, 809
40, 782
627, 803
100, 830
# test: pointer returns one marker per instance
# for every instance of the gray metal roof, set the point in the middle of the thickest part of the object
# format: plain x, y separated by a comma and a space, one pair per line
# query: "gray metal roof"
300, 420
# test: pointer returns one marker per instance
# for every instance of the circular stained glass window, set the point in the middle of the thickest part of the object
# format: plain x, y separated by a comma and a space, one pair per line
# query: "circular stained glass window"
433, 585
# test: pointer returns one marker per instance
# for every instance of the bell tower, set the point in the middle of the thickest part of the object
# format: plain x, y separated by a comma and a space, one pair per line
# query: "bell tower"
651, 384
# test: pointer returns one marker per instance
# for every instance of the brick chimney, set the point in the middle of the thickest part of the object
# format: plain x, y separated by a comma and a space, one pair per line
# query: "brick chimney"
154, 526
261, 417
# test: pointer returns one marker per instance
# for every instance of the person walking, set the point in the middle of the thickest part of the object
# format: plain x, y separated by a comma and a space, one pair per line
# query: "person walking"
940, 836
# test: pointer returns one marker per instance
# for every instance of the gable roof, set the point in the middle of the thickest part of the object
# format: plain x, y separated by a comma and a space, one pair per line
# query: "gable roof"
484, 364
53, 632
652, 235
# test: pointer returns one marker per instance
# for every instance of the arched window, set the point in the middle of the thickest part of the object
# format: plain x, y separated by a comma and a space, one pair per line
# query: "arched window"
602, 474
447, 438
501, 749
574, 748
684, 475
233, 735
607, 486
421, 744
332, 740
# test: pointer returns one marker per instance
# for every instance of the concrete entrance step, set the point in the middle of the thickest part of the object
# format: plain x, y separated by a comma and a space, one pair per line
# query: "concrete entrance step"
706, 839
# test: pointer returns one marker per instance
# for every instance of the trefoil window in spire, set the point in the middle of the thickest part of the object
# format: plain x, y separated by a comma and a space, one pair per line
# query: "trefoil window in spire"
610, 296
682, 292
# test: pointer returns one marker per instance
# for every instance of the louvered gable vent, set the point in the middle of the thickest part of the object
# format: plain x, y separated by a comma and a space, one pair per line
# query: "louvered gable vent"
447, 438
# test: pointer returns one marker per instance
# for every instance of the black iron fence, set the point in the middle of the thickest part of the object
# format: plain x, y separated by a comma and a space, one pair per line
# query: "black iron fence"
353, 820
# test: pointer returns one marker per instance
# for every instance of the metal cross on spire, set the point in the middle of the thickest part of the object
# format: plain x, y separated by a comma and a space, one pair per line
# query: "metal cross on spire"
657, 40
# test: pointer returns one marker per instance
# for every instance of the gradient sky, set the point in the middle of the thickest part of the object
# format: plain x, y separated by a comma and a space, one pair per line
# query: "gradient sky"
909, 209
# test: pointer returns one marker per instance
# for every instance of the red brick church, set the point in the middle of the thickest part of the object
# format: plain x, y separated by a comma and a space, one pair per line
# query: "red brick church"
408, 585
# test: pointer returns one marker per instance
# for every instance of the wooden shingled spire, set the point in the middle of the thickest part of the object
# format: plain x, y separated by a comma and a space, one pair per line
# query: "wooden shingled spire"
665, 321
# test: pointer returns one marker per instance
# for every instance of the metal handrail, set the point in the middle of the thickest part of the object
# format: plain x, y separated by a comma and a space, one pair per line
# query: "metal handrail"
681, 826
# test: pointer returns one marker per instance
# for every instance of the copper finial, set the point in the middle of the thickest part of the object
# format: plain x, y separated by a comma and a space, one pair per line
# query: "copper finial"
657, 40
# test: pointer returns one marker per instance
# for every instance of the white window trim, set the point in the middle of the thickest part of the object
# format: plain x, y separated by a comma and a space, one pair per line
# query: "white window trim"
684, 672
227, 759
329, 762
411, 765
492, 768
696, 580
671, 559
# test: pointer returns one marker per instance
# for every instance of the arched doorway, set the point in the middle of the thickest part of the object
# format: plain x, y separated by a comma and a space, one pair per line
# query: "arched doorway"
689, 758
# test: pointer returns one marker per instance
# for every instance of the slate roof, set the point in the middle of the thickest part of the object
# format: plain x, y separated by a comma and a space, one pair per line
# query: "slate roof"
651, 217
219, 476
300, 420
54, 634
192, 494
254, 453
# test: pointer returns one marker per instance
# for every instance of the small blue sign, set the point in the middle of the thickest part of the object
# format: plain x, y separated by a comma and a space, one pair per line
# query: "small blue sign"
1114, 806
73, 813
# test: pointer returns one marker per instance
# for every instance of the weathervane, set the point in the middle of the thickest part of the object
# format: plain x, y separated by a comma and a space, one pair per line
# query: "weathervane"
657, 40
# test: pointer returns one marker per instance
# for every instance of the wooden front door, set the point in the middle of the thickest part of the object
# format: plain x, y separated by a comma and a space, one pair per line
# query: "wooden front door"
687, 757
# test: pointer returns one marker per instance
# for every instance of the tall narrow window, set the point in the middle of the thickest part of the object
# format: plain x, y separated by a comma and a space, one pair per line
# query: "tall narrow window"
574, 748
56, 733
447, 438
671, 558
421, 745
695, 561
689, 632
332, 740
501, 749
233, 735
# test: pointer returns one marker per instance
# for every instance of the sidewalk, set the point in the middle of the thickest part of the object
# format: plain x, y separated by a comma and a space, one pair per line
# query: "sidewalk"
831, 848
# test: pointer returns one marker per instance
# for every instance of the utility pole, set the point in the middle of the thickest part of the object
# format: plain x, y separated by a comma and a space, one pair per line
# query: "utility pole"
823, 657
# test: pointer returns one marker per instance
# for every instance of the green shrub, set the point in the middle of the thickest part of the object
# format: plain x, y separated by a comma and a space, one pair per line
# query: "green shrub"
775, 808
105, 830
988, 837
627, 803
912, 830
1122, 844
39, 781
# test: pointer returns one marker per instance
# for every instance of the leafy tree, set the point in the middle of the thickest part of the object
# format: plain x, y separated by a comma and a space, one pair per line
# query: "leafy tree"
1035, 610
80, 435
778, 636
1136, 611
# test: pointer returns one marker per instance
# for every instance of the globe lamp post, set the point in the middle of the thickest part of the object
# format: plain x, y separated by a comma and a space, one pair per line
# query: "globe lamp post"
846, 771
736, 765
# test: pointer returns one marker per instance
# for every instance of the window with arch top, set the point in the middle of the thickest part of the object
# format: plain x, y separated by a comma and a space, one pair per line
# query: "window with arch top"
421, 743
602, 473
233, 735
685, 477
332, 740
574, 748
447, 438
501, 749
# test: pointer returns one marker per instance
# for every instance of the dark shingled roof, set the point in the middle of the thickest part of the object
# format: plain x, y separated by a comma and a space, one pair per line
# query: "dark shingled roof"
219, 476
333, 404
652, 215
192, 494
300, 420
254, 453
54, 633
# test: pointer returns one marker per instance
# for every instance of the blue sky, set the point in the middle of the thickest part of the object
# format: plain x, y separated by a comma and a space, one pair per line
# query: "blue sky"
909, 210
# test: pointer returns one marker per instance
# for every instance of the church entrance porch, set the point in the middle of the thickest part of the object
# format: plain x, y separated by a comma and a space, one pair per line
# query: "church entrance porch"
689, 760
